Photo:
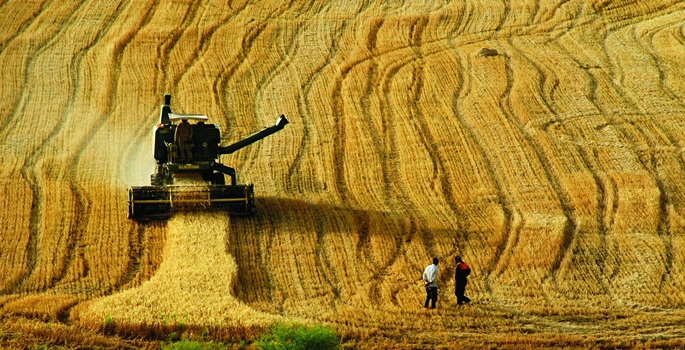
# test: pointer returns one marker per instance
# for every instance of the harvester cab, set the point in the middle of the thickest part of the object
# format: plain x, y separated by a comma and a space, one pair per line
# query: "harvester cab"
188, 172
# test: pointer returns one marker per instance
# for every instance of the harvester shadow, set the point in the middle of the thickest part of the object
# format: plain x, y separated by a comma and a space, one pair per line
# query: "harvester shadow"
290, 239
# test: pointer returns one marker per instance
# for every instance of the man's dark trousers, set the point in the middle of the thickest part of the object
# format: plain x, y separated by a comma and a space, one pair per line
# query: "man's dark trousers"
432, 296
459, 289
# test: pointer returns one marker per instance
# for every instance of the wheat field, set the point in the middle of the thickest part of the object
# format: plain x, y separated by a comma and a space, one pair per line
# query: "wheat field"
543, 141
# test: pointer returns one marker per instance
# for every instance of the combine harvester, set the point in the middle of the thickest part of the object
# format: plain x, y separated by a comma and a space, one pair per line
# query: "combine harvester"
188, 174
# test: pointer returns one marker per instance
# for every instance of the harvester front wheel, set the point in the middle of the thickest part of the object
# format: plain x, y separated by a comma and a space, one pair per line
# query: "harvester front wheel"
157, 180
219, 179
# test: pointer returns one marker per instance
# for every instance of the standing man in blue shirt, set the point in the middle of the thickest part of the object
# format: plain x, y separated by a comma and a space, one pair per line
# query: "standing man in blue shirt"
430, 281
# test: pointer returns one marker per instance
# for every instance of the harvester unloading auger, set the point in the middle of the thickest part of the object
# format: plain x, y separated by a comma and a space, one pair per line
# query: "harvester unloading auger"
196, 159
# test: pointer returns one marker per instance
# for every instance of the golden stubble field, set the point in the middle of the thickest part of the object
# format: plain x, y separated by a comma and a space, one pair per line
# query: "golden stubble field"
554, 165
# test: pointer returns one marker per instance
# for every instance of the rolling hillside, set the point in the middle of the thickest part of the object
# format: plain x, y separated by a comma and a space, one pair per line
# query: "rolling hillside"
543, 141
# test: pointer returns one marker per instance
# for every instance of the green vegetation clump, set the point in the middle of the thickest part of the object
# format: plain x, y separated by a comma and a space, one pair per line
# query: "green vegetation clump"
192, 345
108, 326
296, 337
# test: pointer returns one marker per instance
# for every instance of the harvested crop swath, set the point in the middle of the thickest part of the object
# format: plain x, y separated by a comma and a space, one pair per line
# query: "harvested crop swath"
192, 286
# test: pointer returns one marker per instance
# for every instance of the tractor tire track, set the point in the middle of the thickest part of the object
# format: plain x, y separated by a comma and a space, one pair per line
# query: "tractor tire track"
31, 16
135, 233
81, 202
385, 135
666, 188
609, 203
626, 132
419, 119
567, 206
30, 173
505, 14
290, 46
252, 32
9, 127
222, 85
321, 258
307, 86
570, 229
226, 79
205, 40
546, 92
376, 135
511, 214
6, 127
324, 262
396, 191
607, 190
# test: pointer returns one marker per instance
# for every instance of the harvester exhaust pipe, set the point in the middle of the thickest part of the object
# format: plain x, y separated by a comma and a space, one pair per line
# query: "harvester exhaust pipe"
164, 112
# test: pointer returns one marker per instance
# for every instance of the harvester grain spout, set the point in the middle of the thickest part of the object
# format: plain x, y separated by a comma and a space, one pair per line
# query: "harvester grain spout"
192, 152
280, 123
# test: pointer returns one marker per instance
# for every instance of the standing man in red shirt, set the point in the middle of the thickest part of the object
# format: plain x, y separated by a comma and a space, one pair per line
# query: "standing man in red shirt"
461, 272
